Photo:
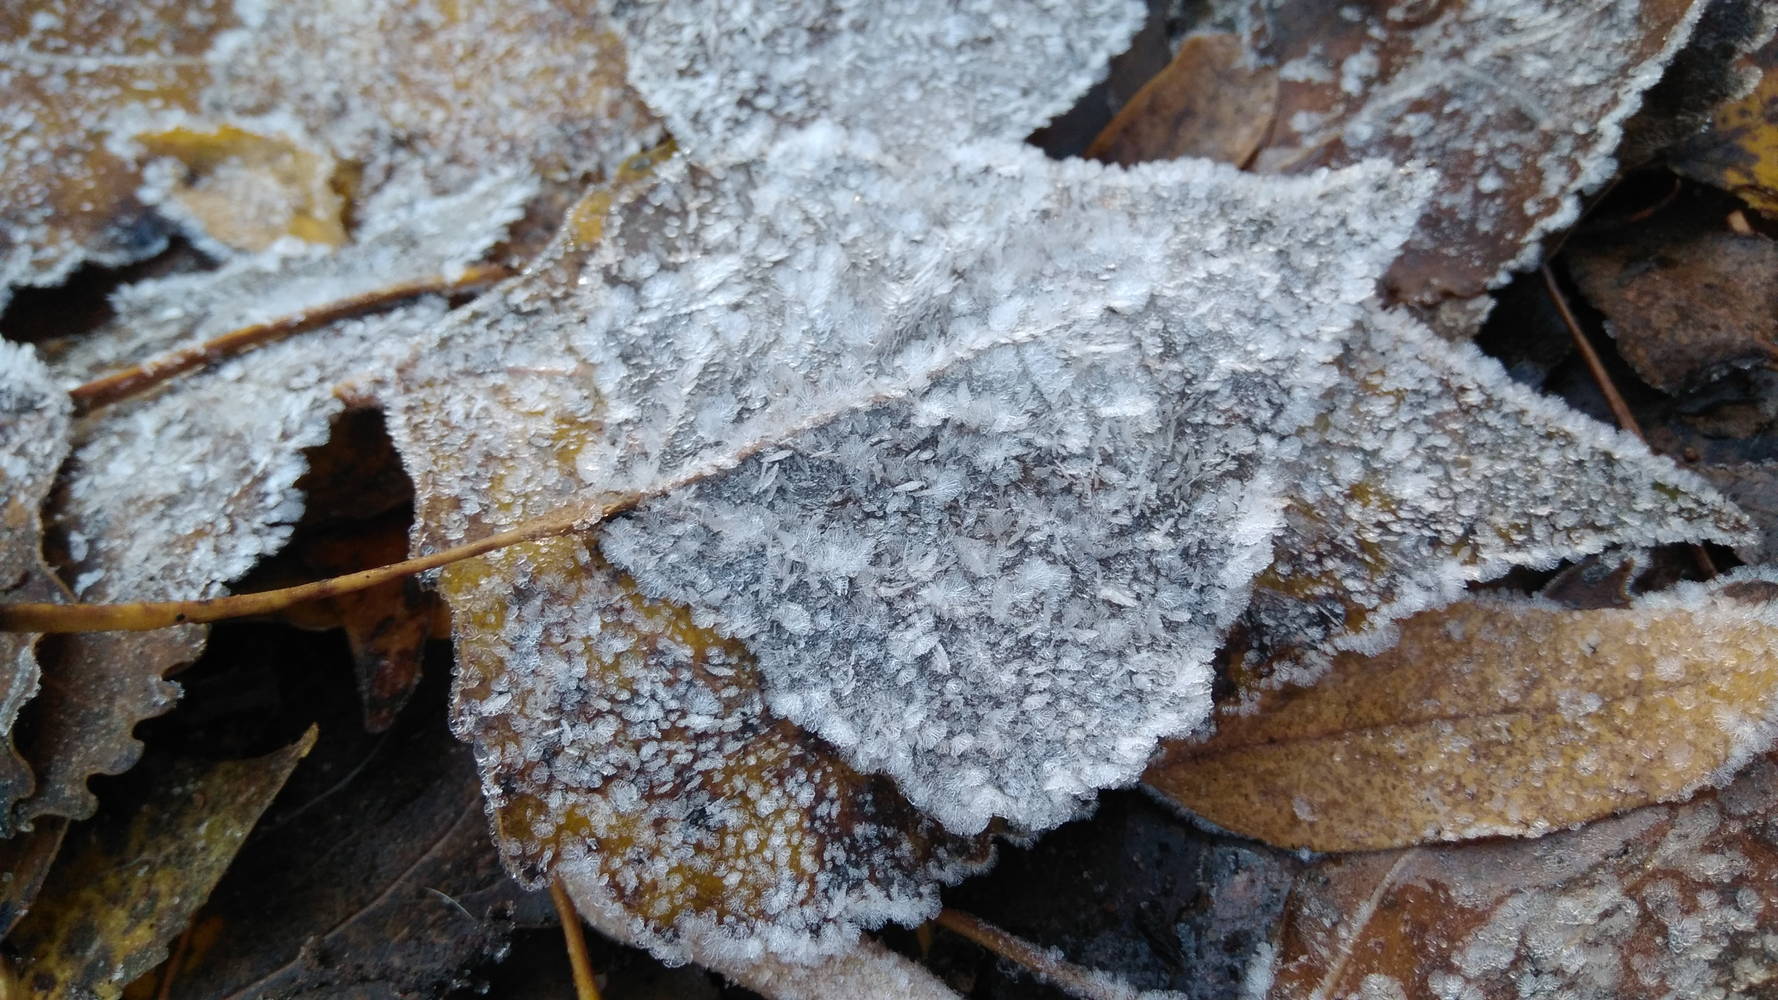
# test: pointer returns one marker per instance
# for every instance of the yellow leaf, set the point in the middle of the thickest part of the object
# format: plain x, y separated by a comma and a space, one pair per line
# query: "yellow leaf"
1496, 717
1739, 151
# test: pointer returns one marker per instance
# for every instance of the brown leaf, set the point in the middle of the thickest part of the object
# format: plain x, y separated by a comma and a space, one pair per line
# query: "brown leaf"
128, 882
1687, 303
1739, 151
1207, 102
1498, 717
371, 876
1753, 486
1507, 102
1665, 901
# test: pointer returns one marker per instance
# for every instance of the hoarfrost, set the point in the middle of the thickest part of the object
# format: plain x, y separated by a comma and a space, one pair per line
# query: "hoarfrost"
1518, 104
34, 425
1433, 470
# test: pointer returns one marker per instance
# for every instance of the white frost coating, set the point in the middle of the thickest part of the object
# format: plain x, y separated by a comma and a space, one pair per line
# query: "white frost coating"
173, 496
1027, 407
1435, 470
34, 422
1519, 104
729, 77
398, 244
865, 971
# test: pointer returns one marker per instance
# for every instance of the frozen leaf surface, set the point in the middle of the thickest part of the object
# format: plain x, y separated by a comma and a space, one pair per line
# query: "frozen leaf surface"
1665, 901
66, 68
1431, 470
1496, 717
1516, 103
34, 427
183, 490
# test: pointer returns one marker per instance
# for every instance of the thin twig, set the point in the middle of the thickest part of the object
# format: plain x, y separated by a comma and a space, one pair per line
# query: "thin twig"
145, 615
170, 970
585, 987
1619, 408
123, 384
1064, 975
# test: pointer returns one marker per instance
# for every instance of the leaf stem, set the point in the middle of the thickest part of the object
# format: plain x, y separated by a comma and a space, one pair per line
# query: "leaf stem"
1064, 975
585, 987
120, 385
144, 615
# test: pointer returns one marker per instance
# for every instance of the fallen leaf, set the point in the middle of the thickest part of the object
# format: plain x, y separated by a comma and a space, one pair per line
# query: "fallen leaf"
68, 67
247, 191
1739, 151
1665, 901
34, 422
129, 881
1753, 486
185, 489
1686, 303
1716, 66
1207, 102
25, 860
979, 517
1502, 99
1432, 470
371, 876
1496, 717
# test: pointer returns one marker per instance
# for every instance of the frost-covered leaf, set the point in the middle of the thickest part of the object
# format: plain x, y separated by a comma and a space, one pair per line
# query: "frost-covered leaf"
182, 491
252, 123
34, 427
1662, 902
1517, 104
67, 66
1431, 470
128, 883
1496, 717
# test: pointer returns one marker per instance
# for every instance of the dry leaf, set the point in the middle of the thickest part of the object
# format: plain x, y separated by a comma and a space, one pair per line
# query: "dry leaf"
1499, 717
1687, 303
1432, 470
128, 882
1207, 102
1739, 151
371, 877
1516, 105
1663, 902
248, 191
67, 69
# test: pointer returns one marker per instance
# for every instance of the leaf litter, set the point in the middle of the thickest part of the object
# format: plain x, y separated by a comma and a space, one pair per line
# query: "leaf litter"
922, 499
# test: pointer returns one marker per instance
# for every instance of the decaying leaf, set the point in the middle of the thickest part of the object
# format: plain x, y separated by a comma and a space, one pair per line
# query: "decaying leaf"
1207, 103
128, 882
370, 877
1665, 901
34, 427
1753, 486
1739, 151
1495, 717
1517, 106
1687, 304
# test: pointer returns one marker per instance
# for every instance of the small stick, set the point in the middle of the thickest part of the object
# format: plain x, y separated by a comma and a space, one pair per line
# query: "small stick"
123, 384
145, 615
1619, 408
171, 969
585, 987
1081, 982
